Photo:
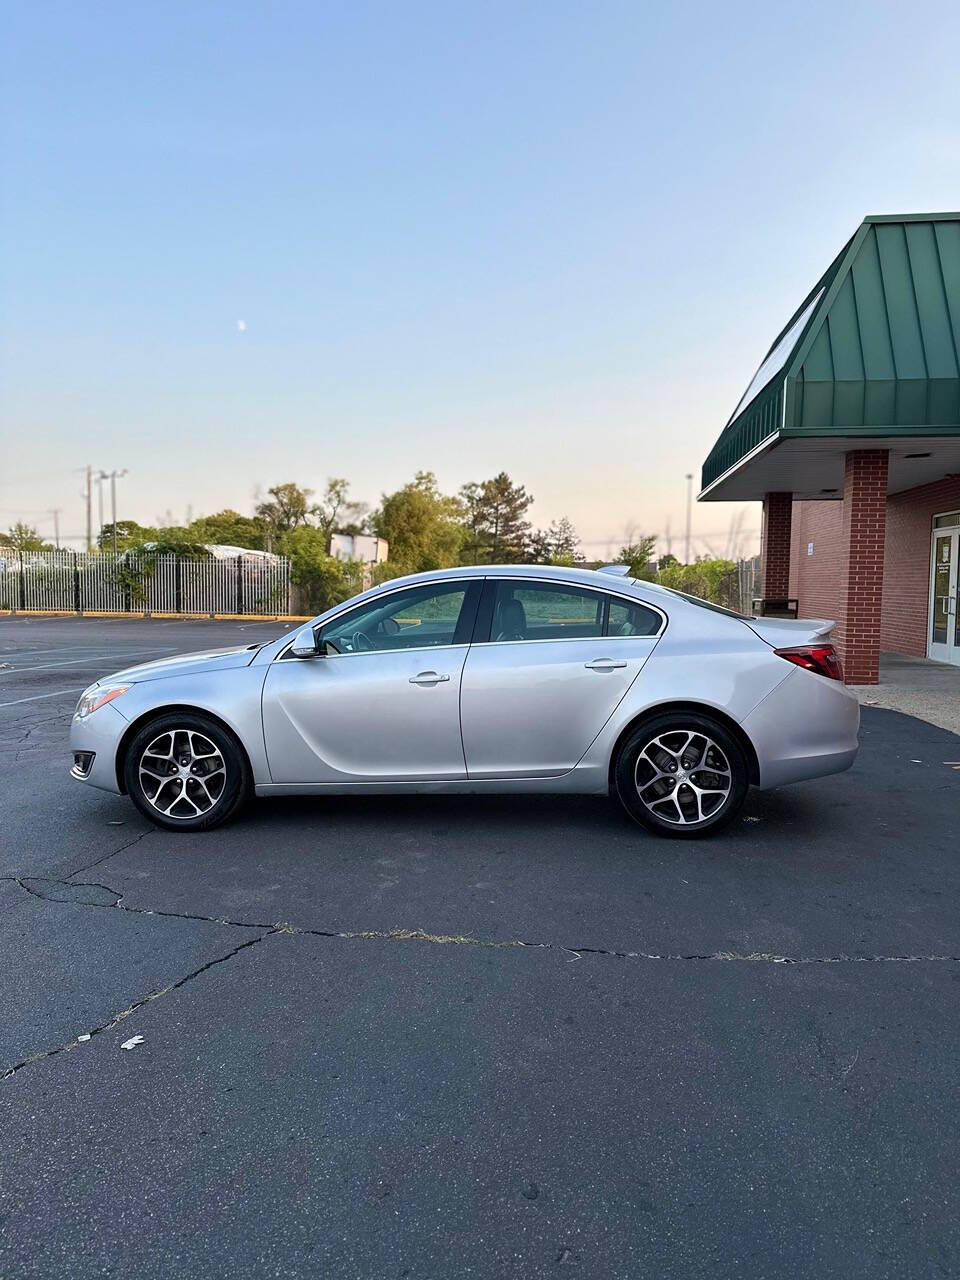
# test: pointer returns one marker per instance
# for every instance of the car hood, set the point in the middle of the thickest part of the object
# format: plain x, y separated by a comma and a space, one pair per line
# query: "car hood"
184, 664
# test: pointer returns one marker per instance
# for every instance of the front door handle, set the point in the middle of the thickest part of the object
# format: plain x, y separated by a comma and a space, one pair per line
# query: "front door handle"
605, 664
428, 678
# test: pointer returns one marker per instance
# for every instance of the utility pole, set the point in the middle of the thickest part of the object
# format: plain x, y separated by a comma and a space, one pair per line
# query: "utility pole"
89, 497
686, 553
114, 475
100, 479
55, 512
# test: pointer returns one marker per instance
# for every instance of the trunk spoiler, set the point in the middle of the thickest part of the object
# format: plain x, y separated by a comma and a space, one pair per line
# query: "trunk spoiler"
788, 633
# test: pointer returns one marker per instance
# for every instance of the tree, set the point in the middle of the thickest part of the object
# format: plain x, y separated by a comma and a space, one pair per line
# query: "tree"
639, 556
129, 534
22, 537
423, 526
335, 513
288, 508
229, 528
322, 580
498, 531
557, 545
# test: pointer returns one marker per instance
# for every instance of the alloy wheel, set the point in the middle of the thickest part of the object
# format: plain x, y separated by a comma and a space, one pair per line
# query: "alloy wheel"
683, 777
182, 773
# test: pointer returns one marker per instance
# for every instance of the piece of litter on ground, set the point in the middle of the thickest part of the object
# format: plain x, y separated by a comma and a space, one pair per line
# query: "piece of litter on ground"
6, 665
750, 818
115, 822
84, 1037
916, 762
132, 1042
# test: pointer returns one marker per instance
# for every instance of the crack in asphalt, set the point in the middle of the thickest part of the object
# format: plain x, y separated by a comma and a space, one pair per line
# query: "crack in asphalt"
117, 1018
150, 831
421, 935
29, 884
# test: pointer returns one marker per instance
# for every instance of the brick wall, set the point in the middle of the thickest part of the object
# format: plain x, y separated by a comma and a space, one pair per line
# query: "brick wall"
777, 513
906, 578
862, 536
817, 576
904, 613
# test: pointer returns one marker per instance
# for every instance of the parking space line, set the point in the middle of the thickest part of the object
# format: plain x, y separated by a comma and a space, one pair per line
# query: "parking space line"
70, 648
73, 662
38, 697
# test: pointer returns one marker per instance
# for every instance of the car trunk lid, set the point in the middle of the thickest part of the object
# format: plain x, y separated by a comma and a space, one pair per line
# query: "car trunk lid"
789, 633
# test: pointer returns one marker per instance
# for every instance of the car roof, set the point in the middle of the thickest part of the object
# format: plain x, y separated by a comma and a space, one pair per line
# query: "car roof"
594, 578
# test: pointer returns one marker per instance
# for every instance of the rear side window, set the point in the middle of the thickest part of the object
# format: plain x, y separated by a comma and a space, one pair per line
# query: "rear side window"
628, 619
521, 610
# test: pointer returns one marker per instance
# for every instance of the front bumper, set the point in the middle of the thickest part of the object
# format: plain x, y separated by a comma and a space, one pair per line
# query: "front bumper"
98, 735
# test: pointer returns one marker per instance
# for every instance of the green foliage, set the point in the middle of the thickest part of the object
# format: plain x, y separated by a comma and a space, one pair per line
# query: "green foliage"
287, 509
498, 531
422, 526
22, 537
639, 556
129, 534
323, 581
714, 580
229, 528
335, 513
557, 545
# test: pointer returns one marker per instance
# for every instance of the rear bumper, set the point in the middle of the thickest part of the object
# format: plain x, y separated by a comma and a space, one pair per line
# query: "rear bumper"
99, 734
805, 728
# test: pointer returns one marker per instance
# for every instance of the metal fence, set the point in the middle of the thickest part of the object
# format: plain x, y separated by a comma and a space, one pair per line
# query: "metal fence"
143, 583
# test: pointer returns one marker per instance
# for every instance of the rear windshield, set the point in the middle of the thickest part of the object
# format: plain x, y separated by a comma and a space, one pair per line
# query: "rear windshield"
707, 604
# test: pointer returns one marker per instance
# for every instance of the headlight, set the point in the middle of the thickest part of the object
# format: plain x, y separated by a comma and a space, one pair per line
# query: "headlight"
97, 696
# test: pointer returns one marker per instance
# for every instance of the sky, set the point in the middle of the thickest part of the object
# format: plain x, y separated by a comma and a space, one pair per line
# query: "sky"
249, 243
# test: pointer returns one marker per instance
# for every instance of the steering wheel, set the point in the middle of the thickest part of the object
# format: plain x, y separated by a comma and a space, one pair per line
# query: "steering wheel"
362, 642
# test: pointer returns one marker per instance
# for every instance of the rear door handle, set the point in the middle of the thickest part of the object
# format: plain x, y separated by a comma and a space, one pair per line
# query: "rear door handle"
604, 664
428, 678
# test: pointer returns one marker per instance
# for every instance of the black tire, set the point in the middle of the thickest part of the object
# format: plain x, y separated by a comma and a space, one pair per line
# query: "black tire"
211, 795
655, 751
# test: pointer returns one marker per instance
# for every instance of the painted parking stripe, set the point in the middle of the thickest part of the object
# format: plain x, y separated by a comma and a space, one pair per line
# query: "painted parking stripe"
70, 648
38, 697
75, 662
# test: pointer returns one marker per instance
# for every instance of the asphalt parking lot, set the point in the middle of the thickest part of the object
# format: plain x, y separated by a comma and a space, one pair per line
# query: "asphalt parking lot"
415, 1037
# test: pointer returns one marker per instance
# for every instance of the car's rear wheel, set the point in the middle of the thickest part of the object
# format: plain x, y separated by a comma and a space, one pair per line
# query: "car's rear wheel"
185, 772
682, 774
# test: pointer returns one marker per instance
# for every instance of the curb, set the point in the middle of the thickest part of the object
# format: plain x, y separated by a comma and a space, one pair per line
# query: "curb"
147, 617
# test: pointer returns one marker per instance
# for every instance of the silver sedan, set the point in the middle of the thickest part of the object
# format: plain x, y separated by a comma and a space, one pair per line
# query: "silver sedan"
485, 679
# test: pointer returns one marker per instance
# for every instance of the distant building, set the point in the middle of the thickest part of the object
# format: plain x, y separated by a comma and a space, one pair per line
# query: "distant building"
363, 547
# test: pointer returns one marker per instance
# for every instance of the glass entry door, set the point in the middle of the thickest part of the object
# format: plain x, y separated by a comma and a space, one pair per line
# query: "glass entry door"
944, 615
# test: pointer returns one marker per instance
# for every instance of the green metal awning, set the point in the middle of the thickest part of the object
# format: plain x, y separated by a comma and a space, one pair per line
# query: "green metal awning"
871, 355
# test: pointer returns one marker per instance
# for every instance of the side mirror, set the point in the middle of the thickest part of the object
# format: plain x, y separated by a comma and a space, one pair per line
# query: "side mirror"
305, 643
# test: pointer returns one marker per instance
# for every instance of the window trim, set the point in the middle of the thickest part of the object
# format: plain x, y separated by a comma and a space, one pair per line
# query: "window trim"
484, 618
465, 621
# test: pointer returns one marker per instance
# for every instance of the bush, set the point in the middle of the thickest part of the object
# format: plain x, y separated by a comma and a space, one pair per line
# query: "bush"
321, 579
714, 580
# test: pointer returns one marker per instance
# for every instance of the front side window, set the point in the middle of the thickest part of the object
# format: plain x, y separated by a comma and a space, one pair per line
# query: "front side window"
548, 611
420, 618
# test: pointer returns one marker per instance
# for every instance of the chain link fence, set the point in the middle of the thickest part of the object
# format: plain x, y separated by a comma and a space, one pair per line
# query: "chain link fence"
143, 583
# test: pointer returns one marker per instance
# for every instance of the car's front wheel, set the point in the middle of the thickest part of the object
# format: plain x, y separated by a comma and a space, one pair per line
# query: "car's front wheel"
682, 774
185, 772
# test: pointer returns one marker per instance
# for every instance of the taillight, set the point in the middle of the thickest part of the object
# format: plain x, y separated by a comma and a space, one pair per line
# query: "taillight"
821, 658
